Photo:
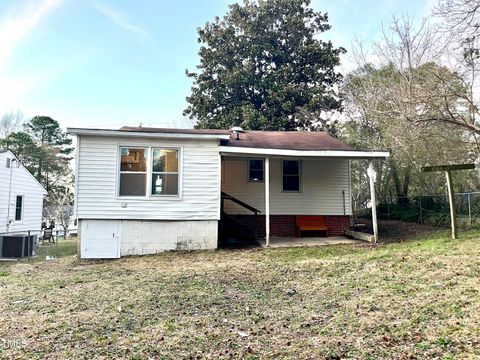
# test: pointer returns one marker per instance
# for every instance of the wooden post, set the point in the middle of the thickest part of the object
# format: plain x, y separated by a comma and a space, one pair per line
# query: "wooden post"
469, 209
447, 169
23, 247
267, 201
222, 218
421, 211
28, 245
371, 176
451, 201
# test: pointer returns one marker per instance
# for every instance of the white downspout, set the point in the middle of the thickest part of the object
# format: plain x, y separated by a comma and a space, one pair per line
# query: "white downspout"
9, 195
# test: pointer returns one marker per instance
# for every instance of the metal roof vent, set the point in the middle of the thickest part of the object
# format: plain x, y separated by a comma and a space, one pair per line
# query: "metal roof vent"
237, 130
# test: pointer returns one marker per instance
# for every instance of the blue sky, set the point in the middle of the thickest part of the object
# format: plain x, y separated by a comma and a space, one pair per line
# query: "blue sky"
107, 63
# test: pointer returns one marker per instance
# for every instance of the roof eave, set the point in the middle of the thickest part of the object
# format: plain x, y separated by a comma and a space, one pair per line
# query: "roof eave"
44, 192
350, 154
142, 134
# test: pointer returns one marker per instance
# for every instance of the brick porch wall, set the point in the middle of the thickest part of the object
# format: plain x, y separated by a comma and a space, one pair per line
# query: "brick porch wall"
284, 225
337, 224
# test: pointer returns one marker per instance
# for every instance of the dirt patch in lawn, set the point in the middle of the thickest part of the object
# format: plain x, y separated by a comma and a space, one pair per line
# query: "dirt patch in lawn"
397, 231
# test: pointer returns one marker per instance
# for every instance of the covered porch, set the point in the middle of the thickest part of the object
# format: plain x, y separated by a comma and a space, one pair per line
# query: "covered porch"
287, 186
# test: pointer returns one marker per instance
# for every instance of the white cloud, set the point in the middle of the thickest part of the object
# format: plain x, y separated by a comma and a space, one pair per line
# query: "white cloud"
120, 20
17, 24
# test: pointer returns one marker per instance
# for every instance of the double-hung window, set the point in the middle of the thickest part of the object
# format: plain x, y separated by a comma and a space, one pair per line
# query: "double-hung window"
291, 175
165, 171
146, 172
255, 170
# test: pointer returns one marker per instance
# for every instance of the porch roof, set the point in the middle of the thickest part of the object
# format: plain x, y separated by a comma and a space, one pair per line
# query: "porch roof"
288, 140
349, 154
292, 143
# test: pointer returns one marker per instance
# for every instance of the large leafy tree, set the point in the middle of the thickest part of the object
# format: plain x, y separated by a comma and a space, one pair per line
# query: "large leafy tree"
264, 66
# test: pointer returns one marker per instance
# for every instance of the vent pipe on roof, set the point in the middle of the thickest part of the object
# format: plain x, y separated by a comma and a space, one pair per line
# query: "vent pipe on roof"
237, 130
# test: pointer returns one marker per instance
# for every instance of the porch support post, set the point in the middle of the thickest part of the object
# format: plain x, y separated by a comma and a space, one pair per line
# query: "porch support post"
267, 201
373, 198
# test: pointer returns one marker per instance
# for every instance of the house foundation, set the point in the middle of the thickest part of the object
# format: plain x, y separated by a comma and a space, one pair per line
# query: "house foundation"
285, 225
117, 238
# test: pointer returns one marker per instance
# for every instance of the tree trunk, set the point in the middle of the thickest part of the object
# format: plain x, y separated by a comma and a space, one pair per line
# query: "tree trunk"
401, 188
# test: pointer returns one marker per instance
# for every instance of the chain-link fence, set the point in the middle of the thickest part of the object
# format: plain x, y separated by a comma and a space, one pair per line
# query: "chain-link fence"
428, 209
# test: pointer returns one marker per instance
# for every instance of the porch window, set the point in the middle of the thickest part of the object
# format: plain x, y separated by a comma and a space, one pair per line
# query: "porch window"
291, 175
19, 208
133, 171
165, 171
255, 170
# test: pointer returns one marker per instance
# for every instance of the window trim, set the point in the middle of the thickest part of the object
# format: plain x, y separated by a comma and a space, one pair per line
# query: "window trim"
22, 209
148, 196
248, 170
300, 177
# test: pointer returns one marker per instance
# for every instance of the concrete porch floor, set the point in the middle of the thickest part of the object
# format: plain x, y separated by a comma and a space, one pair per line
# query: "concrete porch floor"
280, 241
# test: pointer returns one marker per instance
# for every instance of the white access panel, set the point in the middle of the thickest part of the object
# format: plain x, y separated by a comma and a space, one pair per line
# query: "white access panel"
100, 239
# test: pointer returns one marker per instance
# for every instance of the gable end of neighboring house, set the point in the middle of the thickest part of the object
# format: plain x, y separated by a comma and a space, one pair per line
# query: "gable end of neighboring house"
21, 197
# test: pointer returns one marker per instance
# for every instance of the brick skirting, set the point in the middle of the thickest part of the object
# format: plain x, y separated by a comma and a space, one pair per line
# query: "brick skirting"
284, 225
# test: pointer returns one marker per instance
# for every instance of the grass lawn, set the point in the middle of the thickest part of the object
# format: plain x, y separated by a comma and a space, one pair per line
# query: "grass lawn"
419, 299
68, 247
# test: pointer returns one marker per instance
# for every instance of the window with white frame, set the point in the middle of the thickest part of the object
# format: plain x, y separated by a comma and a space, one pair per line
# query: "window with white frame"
255, 170
19, 208
133, 171
291, 175
165, 171
140, 176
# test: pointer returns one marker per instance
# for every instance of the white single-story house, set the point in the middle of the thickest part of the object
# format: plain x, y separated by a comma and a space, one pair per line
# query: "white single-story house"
21, 197
145, 190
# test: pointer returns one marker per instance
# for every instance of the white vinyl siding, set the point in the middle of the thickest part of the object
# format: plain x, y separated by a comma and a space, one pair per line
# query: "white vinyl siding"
199, 182
323, 181
23, 184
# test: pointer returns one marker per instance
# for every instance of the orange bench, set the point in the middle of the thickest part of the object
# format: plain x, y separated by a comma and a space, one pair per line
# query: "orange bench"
310, 222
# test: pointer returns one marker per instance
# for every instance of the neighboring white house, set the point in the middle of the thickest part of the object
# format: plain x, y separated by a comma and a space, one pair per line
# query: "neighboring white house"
21, 197
145, 190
